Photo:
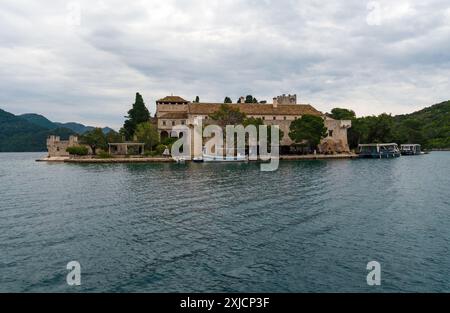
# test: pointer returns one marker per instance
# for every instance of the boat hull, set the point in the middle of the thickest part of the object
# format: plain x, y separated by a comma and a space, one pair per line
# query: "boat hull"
380, 155
213, 158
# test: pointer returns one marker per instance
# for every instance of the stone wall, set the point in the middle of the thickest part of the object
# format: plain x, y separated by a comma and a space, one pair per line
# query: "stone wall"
57, 147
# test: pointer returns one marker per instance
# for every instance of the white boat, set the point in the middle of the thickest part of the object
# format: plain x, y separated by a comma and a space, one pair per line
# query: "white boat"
220, 158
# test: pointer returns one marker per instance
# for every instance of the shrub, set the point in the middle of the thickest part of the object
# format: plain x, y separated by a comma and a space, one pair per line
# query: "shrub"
151, 153
77, 150
160, 149
104, 155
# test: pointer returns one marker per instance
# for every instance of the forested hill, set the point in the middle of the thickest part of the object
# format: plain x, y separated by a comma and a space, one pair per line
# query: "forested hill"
430, 126
19, 135
46, 123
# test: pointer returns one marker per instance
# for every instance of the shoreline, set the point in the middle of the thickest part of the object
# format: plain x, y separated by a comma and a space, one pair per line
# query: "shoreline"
171, 160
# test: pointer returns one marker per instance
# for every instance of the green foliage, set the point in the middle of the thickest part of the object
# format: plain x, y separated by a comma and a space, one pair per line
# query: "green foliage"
39, 120
104, 155
160, 149
151, 153
252, 121
95, 139
19, 135
197, 99
77, 150
227, 115
257, 122
429, 127
227, 100
169, 141
309, 129
136, 115
148, 134
250, 99
342, 114
114, 137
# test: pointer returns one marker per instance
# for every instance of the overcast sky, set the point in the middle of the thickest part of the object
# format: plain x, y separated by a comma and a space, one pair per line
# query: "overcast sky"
372, 57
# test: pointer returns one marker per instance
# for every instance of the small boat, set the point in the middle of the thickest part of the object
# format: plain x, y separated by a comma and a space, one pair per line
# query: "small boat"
198, 159
220, 157
180, 160
379, 150
410, 149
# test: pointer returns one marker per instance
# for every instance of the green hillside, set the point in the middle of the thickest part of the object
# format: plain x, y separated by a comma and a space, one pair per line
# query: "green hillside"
19, 135
39, 120
42, 121
429, 127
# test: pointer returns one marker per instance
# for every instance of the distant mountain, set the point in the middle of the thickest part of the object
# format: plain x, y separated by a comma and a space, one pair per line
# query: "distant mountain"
38, 120
29, 132
76, 127
46, 123
20, 135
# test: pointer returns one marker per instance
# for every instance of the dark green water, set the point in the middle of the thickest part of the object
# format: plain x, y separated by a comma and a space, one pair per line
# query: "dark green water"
310, 226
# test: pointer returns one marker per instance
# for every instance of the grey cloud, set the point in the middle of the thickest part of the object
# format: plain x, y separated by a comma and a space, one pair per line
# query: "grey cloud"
323, 50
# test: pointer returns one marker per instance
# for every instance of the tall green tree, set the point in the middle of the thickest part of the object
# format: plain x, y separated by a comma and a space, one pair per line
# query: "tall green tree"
227, 100
227, 115
309, 129
250, 99
259, 121
342, 114
95, 139
114, 137
148, 134
136, 115
380, 128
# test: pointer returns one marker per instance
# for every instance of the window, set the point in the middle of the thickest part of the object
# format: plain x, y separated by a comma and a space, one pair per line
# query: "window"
285, 118
183, 122
173, 123
164, 123
274, 118
206, 117
264, 117
330, 133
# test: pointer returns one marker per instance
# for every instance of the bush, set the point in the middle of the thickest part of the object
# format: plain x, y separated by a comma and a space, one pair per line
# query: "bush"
151, 153
160, 149
77, 150
104, 155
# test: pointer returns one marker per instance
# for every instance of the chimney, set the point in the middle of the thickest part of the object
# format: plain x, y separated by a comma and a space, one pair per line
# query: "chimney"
275, 102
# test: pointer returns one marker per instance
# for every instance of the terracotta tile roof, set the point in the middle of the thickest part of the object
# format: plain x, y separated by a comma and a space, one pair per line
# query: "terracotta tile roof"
255, 109
172, 99
174, 115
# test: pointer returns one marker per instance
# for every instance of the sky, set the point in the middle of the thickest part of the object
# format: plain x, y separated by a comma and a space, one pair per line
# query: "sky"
84, 61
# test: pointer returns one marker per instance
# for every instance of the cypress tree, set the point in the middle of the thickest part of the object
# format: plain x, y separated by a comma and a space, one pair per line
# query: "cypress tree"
136, 115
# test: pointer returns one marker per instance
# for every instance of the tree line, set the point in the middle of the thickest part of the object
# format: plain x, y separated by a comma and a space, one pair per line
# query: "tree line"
429, 127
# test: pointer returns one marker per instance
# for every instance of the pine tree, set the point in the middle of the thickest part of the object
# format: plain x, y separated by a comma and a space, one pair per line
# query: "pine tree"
136, 115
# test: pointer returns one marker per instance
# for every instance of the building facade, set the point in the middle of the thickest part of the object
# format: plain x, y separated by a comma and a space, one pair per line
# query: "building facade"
57, 147
174, 110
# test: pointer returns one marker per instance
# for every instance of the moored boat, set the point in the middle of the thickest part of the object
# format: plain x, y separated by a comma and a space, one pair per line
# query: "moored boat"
206, 157
410, 149
379, 150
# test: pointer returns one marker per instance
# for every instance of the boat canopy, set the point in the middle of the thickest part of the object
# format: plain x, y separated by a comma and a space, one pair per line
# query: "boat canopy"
409, 145
379, 145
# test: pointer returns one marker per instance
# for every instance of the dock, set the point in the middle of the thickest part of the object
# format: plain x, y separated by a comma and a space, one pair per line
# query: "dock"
171, 160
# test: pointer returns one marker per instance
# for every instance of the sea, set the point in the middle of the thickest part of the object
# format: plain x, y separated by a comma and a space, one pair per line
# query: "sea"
310, 226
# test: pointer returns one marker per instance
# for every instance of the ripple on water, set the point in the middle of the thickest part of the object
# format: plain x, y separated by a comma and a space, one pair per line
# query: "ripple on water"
310, 226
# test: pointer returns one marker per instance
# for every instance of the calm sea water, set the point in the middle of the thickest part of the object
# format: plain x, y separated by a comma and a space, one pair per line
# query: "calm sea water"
310, 226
